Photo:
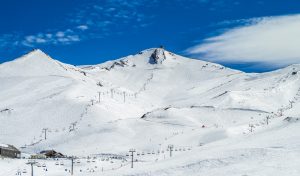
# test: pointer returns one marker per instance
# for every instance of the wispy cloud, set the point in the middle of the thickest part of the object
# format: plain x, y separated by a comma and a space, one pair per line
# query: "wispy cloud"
82, 27
101, 15
56, 37
92, 19
270, 40
60, 37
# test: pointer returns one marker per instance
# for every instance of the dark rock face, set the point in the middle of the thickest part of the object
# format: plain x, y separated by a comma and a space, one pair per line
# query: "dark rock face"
158, 56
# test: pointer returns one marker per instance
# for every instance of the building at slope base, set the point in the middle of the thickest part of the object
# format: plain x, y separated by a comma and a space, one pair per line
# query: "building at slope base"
9, 151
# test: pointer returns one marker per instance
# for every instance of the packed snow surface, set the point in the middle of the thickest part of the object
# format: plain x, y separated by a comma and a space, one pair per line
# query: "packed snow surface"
181, 116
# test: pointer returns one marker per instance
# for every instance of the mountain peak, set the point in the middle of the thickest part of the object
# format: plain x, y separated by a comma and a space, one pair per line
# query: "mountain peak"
35, 54
34, 63
158, 56
36, 51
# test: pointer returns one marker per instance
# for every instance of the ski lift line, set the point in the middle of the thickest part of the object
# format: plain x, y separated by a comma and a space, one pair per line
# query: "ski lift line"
114, 92
280, 111
50, 130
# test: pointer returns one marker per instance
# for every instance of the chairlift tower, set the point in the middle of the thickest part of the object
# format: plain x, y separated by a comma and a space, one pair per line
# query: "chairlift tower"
45, 132
251, 127
72, 164
31, 162
99, 94
170, 147
132, 151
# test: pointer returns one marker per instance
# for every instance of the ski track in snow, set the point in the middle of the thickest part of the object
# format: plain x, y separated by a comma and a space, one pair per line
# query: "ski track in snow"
219, 121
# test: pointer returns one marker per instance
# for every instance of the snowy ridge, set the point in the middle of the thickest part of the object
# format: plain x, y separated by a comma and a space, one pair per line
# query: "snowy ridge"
35, 63
216, 118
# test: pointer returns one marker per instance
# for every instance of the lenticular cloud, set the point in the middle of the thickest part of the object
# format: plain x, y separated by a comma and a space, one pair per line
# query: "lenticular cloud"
271, 40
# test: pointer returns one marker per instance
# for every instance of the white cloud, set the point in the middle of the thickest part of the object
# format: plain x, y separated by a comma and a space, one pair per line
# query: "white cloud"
270, 40
82, 27
96, 19
41, 40
60, 34
60, 37
103, 15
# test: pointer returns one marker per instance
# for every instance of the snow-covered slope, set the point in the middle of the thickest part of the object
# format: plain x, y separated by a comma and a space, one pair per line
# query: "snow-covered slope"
216, 118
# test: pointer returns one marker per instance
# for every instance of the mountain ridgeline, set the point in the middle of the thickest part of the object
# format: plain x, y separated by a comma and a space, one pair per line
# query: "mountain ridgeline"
153, 98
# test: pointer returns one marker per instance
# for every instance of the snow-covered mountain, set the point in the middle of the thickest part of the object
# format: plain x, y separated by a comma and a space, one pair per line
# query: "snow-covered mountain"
231, 121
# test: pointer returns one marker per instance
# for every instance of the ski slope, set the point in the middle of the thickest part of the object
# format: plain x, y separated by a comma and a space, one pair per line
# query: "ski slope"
220, 121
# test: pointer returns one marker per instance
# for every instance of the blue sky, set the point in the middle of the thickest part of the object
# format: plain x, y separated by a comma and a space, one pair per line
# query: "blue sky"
81, 32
